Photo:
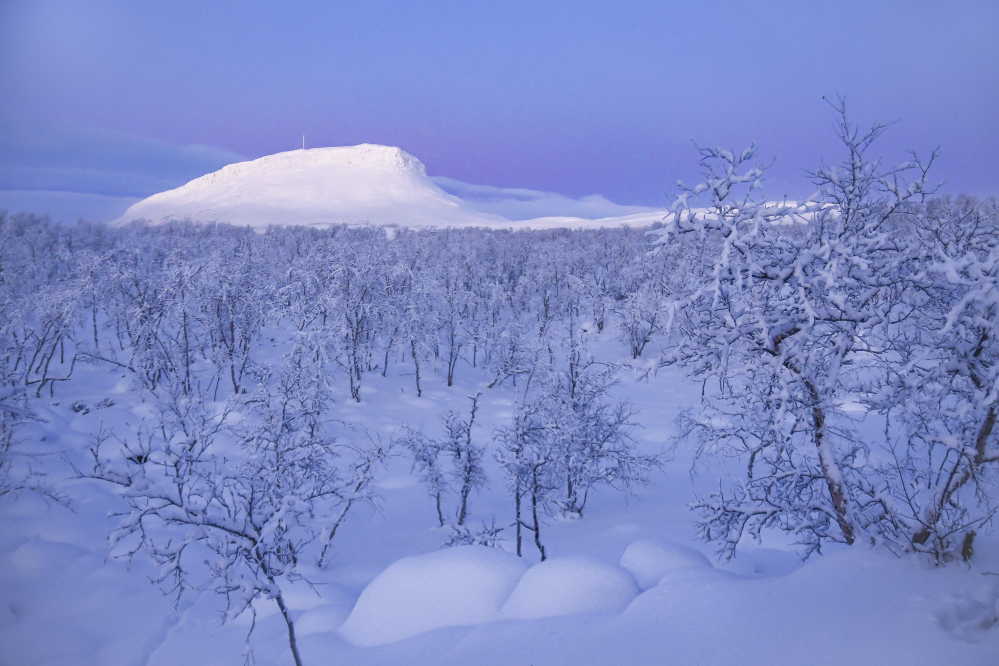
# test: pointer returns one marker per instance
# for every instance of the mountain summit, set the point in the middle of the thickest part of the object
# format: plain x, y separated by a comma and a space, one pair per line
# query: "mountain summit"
368, 183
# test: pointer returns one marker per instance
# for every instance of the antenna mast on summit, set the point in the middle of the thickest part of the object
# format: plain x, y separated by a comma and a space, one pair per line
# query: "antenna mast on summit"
303, 142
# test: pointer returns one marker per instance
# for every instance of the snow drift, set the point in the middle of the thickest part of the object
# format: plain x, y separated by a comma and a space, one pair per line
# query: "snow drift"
465, 585
648, 561
570, 586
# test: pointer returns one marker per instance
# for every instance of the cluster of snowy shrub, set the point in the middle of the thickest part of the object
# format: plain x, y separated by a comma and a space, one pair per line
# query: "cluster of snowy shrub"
872, 296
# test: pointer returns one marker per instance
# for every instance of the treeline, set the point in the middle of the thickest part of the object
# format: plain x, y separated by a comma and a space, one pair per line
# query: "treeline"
164, 301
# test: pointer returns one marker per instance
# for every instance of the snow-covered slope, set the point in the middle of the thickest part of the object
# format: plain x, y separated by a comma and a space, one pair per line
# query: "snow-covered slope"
356, 184
373, 184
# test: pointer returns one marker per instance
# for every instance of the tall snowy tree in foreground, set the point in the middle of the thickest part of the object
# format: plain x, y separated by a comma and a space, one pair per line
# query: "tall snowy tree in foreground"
786, 324
940, 386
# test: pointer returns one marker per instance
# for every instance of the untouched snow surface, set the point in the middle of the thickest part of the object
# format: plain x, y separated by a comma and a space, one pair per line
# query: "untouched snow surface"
365, 184
64, 602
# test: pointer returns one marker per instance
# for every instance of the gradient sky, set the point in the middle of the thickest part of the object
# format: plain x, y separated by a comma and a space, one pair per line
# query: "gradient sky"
113, 101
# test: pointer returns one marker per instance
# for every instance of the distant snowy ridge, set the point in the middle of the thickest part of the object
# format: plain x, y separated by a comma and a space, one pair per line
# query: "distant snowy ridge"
365, 184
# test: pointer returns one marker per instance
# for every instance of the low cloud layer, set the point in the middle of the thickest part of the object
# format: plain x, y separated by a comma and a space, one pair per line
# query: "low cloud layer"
69, 171
522, 204
65, 206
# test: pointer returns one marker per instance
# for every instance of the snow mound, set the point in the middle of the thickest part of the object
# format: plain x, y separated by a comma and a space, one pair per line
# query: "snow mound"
649, 561
569, 586
320, 619
37, 556
465, 585
968, 616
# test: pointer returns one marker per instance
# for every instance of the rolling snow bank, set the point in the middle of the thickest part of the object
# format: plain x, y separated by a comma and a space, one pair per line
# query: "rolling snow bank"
465, 585
468, 585
570, 586
648, 561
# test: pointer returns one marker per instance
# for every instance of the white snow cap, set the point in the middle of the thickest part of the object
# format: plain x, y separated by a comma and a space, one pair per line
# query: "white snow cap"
465, 585
320, 186
363, 156
650, 560
569, 586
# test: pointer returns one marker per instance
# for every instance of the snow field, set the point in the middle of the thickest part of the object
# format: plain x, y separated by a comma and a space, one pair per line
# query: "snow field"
59, 606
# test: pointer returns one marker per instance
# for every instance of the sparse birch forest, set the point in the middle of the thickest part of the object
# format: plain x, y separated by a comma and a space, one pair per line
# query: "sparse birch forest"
840, 354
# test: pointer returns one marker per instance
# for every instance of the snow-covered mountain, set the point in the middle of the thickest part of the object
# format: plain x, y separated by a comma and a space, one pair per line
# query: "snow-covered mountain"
356, 184
374, 184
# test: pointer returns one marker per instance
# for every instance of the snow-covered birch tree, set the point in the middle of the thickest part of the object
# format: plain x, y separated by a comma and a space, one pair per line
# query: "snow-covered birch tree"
780, 329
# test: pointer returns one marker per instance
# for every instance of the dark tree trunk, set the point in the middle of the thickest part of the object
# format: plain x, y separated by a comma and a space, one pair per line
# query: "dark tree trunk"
291, 630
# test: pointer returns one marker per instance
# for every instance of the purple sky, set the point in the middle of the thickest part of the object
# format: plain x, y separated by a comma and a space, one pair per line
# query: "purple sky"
112, 101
